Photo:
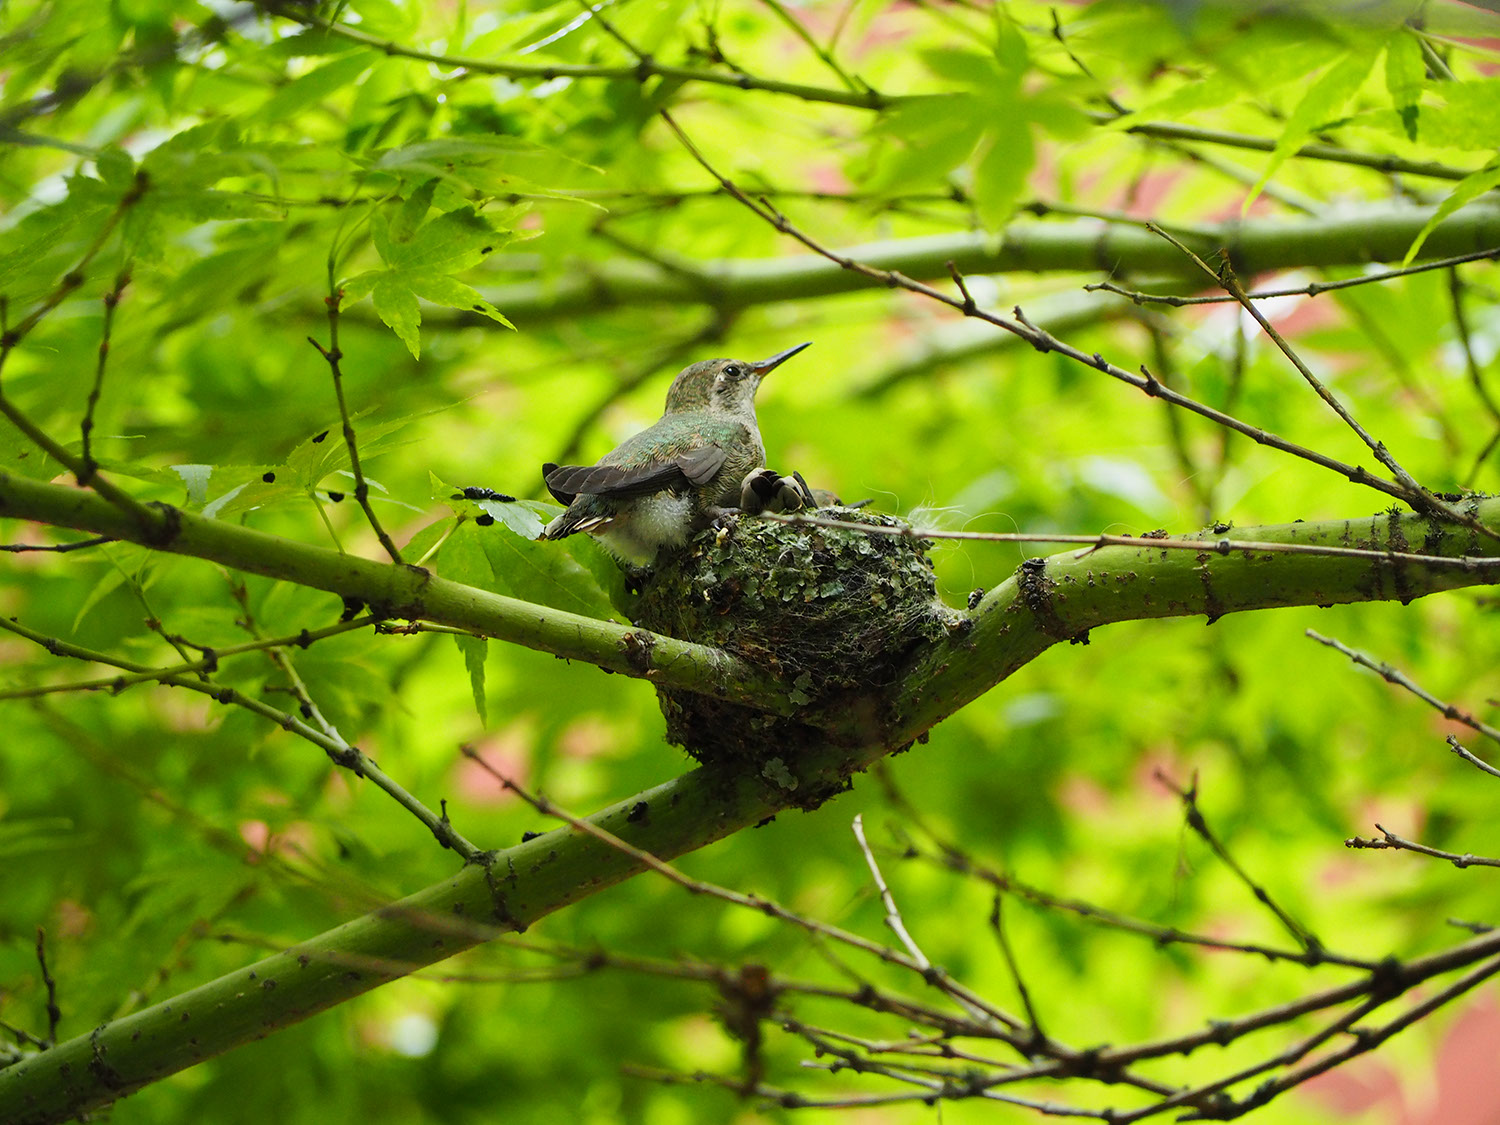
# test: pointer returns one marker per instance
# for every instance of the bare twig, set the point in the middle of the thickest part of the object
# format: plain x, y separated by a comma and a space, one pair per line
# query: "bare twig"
338, 751
1045, 342
1470, 757
1365, 1040
1001, 1021
930, 973
57, 548
892, 911
1389, 840
143, 674
111, 299
1223, 546
546, 72
954, 859
54, 1013
1312, 289
1225, 276
1171, 130
1195, 820
903, 1060
334, 358
12, 335
1471, 364
824, 55
278, 656
997, 923
1395, 676
596, 13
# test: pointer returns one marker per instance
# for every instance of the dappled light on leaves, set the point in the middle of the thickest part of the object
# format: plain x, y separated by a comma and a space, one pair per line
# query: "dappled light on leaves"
1155, 678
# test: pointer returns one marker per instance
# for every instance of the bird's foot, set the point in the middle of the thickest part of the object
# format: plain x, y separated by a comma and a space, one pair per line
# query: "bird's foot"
721, 520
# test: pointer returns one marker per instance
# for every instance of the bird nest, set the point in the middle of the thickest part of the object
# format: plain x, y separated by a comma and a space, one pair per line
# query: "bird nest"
832, 612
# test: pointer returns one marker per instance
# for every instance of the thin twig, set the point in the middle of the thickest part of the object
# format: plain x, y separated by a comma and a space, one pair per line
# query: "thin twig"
338, 751
1389, 840
111, 299
1170, 130
930, 973
1045, 342
1212, 1094
1225, 276
133, 581
11, 336
57, 548
825, 56
954, 859
596, 13
1437, 66
546, 72
54, 1013
997, 923
1395, 676
752, 902
1312, 289
1365, 1040
1468, 756
1223, 546
334, 357
209, 662
1419, 497
892, 911
1471, 364
1196, 821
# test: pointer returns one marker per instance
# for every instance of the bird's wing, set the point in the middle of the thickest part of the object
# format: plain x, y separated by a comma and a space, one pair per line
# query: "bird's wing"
699, 465
694, 467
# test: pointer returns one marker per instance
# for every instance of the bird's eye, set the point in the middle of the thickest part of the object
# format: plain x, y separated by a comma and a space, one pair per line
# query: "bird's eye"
733, 371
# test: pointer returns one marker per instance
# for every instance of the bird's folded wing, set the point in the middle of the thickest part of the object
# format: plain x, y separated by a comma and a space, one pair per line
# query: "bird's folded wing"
694, 467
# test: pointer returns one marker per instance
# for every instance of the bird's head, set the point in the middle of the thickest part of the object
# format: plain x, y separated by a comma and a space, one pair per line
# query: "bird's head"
724, 386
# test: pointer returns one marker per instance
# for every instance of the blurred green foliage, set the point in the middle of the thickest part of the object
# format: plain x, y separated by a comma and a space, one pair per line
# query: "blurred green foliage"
161, 840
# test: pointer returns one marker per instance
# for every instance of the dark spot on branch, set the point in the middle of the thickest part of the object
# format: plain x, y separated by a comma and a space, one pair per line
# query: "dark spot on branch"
637, 648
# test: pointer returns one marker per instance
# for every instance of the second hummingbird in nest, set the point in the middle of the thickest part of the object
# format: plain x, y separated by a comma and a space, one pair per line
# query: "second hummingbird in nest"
658, 487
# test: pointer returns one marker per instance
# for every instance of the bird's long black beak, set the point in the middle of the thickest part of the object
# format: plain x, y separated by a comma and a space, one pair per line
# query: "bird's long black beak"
765, 365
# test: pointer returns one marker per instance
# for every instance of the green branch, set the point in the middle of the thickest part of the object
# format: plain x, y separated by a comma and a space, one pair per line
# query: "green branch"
1062, 597
1058, 598
1378, 234
479, 903
406, 592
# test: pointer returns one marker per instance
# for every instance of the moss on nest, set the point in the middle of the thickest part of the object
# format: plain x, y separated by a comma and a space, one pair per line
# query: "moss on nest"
832, 612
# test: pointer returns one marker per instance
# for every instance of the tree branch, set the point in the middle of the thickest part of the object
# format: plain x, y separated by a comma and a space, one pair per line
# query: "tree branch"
1354, 238
1062, 597
646, 68
407, 592
1048, 600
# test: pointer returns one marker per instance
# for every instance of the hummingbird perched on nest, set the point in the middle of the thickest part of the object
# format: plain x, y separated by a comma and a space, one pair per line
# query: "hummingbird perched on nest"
690, 467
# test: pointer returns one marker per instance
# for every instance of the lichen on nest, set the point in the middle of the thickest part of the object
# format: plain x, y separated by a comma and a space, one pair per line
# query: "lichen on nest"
833, 612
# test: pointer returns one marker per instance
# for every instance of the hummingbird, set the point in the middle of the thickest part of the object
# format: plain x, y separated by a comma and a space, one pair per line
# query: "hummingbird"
658, 487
